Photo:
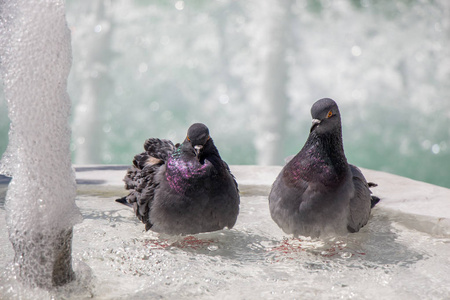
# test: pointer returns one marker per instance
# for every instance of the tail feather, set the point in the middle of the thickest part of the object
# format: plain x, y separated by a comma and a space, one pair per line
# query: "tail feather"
140, 160
124, 201
374, 201
140, 177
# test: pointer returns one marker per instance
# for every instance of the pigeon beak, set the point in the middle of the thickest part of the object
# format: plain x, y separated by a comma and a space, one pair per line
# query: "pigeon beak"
315, 123
198, 149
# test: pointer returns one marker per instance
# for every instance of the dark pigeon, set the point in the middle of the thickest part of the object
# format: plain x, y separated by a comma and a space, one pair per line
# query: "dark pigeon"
182, 189
318, 193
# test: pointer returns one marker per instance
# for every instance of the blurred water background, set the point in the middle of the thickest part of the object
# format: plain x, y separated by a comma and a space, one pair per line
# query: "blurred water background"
251, 70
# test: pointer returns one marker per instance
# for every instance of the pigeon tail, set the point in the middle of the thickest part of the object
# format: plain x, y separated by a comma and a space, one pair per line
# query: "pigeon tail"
124, 201
374, 201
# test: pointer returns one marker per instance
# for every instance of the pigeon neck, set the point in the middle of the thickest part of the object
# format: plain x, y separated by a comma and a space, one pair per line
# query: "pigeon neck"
211, 154
330, 145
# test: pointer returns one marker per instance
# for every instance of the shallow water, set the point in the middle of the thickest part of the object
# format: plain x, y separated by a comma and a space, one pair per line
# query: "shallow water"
254, 260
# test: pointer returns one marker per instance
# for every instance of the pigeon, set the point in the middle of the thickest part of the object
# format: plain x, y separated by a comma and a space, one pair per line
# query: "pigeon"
182, 189
318, 193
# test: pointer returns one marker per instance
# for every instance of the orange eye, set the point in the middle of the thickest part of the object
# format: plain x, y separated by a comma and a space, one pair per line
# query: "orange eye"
187, 137
330, 113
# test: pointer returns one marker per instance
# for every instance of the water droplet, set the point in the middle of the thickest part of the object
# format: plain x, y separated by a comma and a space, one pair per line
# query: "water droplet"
179, 5
356, 51
143, 67
172, 135
98, 28
426, 144
213, 248
365, 3
224, 99
167, 115
107, 158
154, 106
107, 128
435, 149
41, 204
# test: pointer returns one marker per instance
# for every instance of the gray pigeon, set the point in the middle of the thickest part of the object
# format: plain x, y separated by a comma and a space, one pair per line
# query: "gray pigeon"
318, 193
182, 189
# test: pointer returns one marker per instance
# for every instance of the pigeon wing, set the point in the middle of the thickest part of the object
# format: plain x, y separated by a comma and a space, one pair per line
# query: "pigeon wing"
235, 187
360, 203
159, 148
140, 177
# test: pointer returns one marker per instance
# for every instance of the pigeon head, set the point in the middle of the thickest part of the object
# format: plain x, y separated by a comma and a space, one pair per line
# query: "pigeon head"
198, 137
326, 116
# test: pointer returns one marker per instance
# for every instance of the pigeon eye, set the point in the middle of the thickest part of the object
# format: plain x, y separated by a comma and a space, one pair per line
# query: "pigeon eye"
187, 137
330, 113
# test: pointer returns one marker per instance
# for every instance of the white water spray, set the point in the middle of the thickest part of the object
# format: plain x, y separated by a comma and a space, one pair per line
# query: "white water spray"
35, 62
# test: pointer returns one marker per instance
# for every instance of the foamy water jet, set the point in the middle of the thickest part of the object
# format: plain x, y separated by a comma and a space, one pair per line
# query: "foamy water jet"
40, 203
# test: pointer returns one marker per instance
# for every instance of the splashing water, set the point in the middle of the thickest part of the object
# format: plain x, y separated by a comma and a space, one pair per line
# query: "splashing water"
255, 260
41, 211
